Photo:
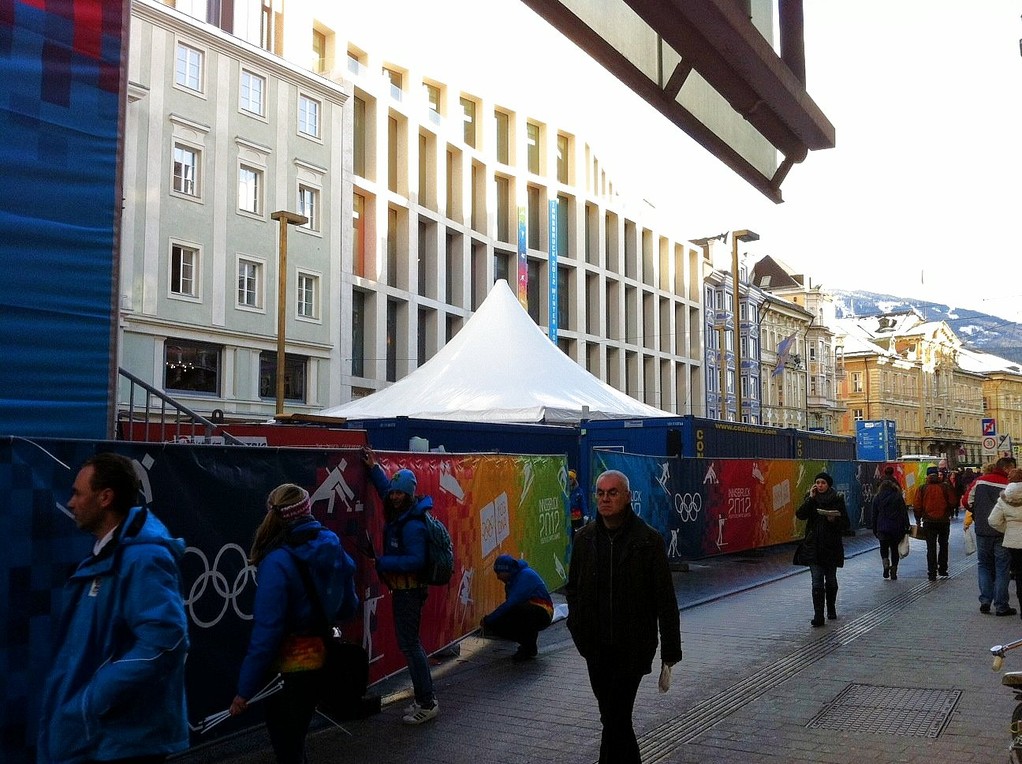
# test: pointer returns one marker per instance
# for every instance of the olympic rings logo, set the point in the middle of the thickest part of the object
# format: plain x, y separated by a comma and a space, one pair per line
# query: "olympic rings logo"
211, 578
688, 506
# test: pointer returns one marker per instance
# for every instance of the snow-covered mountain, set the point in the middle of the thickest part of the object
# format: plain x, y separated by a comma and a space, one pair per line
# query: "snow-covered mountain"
979, 331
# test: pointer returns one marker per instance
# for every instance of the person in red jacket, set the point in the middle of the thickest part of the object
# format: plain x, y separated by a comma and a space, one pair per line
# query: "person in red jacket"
934, 504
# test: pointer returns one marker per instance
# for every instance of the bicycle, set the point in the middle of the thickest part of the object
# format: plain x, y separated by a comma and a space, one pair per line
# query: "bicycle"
1012, 679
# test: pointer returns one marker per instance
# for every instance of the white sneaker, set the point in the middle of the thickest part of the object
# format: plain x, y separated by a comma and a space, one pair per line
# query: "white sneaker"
422, 714
411, 708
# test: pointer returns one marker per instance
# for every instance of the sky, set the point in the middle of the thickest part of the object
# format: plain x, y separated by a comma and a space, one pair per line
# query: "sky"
919, 198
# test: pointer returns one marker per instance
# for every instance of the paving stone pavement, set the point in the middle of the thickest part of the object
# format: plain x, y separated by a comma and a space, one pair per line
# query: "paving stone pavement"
754, 676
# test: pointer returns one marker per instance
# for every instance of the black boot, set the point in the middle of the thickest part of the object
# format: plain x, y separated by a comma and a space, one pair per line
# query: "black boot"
887, 567
831, 599
894, 569
817, 608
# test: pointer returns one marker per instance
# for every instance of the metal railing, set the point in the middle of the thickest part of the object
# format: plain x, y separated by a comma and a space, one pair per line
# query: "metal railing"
184, 421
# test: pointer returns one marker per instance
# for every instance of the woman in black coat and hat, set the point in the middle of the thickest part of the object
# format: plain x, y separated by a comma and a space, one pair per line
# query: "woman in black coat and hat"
822, 549
890, 522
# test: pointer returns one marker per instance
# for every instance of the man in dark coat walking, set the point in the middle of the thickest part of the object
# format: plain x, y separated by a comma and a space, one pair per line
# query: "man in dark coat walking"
619, 592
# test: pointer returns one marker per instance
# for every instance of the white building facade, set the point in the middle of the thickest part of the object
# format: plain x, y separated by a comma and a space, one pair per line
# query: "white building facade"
420, 195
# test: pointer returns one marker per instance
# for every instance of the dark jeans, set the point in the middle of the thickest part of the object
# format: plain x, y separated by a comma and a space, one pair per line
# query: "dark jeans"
993, 563
407, 619
522, 624
288, 714
936, 547
824, 576
615, 688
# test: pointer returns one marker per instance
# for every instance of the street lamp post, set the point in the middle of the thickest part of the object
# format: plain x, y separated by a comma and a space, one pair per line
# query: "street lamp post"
737, 236
284, 218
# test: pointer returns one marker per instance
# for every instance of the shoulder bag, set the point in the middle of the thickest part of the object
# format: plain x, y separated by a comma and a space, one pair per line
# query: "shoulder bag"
344, 677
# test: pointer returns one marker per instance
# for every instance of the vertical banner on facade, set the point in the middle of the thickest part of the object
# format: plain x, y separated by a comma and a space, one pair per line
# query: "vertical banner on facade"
214, 498
60, 110
523, 258
552, 265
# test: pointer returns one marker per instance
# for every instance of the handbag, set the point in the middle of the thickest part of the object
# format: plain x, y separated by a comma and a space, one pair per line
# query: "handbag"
970, 540
916, 532
903, 547
805, 552
344, 677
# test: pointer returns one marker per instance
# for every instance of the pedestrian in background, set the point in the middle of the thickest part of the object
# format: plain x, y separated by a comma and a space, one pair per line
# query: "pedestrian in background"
576, 503
890, 523
823, 550
303, 576
399, 566
1006, 517
934, 505
619, 592
116, 689
527, 608
993, 561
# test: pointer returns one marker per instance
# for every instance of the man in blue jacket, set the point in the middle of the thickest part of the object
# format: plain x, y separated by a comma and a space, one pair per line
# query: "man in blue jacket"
527, 608
400, 565
117, 687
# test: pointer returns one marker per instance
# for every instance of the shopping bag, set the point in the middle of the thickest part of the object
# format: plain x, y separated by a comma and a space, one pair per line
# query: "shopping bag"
903, 547
970, 540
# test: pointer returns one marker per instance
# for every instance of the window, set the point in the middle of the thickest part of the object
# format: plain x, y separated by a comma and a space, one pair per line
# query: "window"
857, 414
503, 136
253, 93
250, 283
562, 158
308, 295
308, 205
294, 376
857, 382
308, 116
358, 318
468, 108
358, 138
250, 190
183, 264
532, 140
318, 51
188, 69
358, 242
432, 96
186, 170
191, 366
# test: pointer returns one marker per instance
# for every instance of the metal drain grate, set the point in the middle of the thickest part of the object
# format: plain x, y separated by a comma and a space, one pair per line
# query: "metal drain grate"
910, 711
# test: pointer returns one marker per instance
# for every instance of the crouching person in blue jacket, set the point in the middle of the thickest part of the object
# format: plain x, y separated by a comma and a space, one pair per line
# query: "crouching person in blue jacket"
116, 689
527, 608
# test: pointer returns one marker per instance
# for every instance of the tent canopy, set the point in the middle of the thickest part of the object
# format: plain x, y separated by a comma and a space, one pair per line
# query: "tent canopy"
499, 368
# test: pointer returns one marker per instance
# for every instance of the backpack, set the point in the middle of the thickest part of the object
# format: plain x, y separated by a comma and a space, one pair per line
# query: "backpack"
439, 552
935, 506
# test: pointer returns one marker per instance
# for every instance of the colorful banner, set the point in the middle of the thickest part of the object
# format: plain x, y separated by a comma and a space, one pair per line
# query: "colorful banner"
707, 507
214, 498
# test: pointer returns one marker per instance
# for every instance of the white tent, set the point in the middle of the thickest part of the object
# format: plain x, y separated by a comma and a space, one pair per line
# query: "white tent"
499, 368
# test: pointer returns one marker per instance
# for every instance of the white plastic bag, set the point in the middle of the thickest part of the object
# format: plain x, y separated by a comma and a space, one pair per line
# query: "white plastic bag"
970, 540
665, 677
903, 547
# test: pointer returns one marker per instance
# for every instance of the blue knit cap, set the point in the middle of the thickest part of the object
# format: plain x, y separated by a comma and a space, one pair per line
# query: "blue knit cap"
505, 564
403, 481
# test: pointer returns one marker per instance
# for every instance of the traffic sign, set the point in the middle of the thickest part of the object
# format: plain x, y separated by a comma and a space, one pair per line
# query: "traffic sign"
989, 426
1004, 444
989, 444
